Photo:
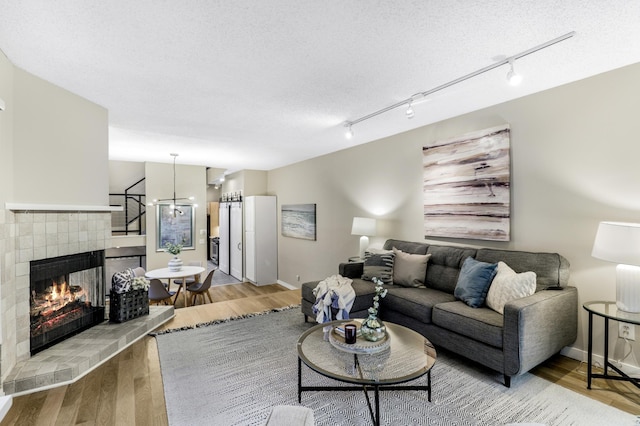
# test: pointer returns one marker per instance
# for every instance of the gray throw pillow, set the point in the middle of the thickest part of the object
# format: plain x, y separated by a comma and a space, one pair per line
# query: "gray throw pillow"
409, 270
474, 281
378, 264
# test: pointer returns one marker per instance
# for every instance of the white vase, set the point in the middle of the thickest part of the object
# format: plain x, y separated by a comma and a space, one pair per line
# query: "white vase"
175, 264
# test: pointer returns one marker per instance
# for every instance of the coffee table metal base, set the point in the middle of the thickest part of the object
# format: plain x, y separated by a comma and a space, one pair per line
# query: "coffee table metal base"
374, 409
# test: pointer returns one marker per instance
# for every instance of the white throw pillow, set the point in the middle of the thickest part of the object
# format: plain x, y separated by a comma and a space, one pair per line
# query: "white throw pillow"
508, 285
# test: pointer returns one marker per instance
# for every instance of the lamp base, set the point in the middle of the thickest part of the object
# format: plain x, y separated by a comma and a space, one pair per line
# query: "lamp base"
364, 243
628, 288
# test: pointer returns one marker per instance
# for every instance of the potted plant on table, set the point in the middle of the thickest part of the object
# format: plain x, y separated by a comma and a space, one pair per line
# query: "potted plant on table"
175, 264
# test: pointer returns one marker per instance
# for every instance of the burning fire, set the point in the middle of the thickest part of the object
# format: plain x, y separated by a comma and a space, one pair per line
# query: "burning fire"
60, 291
55, 297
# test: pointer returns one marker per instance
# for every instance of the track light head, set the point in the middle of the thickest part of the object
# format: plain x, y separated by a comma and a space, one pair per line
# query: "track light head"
410, 113
349, 133
512, 76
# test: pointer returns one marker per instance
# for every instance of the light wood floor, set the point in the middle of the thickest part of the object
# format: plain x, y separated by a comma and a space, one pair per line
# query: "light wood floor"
127, 390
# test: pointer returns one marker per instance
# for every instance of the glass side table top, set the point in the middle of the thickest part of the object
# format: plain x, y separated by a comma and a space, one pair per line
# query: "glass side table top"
408, 357
611, 311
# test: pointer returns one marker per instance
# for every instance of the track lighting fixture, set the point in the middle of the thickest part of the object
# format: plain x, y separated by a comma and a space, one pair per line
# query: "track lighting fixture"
512, 76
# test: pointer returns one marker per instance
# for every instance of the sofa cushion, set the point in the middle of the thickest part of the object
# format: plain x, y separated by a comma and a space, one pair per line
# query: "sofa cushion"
416, 303
406, 246
474, 281
481, 324
444, 266
551, 269
378, 264
409, 270
509, 285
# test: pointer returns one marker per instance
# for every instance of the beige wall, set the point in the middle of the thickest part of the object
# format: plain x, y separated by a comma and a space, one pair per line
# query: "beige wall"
60, 145
574, 155
6, 129
123, 174
190, 181
248, 182
54, 150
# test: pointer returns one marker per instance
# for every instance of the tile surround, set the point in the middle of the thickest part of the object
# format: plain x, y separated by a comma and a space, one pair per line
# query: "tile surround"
73, 358
27, 236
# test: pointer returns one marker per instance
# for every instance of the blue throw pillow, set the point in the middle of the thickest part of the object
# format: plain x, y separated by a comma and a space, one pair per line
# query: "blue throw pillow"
474, 281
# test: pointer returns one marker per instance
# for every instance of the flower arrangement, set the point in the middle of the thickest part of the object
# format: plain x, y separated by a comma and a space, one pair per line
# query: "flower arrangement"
172, 248
140, 283
381, 292
372, 328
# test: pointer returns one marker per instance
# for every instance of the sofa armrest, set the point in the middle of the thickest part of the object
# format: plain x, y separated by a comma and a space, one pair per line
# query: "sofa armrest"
537, 327
351, 269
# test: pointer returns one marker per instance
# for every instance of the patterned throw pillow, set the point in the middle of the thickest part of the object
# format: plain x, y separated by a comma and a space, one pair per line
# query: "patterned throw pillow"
509, 285
121, 281
378, 264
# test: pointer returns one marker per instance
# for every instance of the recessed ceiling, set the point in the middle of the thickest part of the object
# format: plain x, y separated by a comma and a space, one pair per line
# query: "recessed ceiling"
262, 84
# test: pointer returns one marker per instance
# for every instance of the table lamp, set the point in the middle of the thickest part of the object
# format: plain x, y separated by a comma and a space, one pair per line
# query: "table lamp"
364, 227
619, 242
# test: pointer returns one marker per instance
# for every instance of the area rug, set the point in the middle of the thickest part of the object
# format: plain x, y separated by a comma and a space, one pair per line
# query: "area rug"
234, 372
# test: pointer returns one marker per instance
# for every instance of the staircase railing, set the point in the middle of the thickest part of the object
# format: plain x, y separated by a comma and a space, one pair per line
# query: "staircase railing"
131, 220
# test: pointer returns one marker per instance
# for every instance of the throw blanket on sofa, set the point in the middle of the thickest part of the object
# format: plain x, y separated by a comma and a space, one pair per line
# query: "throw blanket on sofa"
333, 292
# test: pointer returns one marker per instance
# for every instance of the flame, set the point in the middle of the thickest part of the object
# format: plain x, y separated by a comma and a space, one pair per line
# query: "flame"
57, 296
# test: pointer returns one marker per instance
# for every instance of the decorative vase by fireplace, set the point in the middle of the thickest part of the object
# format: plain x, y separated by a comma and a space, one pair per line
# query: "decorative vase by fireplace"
129, 298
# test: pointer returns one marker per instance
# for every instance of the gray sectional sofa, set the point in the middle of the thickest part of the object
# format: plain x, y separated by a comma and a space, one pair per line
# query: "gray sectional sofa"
531, 330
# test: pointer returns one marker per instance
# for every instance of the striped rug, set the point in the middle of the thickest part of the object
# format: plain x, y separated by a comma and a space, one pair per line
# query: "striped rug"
234, 372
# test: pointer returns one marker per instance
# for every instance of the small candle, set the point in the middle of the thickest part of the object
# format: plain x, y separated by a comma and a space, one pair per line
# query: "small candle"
350, 334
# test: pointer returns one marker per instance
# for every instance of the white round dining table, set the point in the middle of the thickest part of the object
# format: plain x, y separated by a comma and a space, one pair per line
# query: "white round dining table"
184, 273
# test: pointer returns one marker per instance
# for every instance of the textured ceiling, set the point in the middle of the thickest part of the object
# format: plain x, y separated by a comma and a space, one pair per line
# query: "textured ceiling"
261, 84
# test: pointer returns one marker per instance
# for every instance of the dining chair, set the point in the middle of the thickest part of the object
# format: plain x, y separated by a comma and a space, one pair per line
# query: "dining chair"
159, 293
201, 288
190, 280
139, 271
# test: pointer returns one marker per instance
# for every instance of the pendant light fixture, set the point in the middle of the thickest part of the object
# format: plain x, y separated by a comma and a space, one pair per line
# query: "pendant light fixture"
174, 201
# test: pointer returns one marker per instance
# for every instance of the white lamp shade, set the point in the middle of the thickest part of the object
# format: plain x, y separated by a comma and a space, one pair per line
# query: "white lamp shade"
618, 242
363, 226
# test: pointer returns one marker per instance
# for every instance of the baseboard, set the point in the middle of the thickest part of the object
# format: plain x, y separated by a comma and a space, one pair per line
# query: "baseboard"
287, 285
5, 405
598, 360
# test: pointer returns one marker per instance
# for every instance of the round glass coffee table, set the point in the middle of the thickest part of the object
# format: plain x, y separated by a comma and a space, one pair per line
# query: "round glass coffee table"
408, 356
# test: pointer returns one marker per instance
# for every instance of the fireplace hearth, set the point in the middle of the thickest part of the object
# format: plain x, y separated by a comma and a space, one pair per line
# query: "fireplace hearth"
67, 295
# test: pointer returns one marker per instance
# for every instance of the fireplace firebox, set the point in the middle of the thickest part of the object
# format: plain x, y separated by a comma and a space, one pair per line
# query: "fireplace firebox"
67, 295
